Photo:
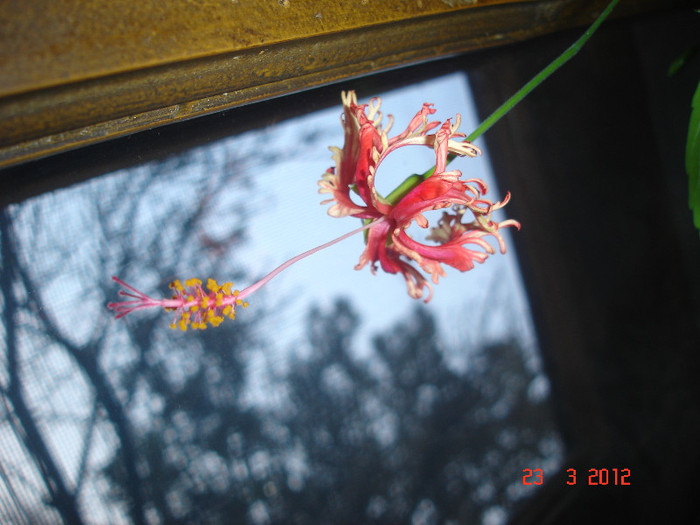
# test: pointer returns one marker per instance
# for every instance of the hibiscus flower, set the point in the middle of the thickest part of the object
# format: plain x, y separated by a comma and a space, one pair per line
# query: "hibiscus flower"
385, 219
388, 244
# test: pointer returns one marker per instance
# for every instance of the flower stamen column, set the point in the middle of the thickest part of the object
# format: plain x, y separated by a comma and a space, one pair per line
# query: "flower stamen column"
194, 306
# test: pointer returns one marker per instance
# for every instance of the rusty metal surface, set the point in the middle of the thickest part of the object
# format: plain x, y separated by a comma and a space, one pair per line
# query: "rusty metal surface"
73, 74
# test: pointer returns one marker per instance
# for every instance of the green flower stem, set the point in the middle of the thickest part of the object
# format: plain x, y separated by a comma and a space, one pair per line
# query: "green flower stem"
407, 185
413, 180
542, 75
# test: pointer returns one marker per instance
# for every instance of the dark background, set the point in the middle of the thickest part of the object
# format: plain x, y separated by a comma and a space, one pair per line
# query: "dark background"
595, 161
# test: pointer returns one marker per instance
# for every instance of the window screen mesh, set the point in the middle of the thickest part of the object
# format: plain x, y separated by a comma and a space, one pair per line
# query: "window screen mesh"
334, 396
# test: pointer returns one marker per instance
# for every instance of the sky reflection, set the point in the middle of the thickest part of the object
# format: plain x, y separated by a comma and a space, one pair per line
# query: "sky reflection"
234, 210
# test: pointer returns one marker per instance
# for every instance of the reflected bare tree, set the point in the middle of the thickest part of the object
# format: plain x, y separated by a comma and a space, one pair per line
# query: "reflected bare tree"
100, 364
17, 409
160, 420
401, 437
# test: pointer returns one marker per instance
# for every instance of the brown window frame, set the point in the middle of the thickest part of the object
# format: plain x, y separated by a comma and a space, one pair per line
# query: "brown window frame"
78, 74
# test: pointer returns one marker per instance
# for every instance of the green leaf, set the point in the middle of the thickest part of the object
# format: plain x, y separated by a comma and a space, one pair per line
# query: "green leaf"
692, 159
681, 61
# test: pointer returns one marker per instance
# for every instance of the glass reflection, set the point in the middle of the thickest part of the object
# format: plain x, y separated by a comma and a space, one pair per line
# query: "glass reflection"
335, 396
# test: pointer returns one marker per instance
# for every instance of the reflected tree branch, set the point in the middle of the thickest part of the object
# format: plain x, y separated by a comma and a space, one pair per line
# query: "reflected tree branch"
86, 359
61, 497
90, 431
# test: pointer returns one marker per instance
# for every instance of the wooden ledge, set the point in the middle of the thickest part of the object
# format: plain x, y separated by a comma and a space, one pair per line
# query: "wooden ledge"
74, 74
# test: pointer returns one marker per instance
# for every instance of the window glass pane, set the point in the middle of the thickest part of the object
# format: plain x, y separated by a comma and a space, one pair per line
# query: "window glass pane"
334, 395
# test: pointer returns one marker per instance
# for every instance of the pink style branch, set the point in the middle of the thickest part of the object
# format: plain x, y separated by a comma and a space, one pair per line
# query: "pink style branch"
456, 241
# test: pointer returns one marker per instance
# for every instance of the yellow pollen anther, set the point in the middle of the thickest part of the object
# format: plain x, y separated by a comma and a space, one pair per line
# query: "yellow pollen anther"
213, 286
200, 308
